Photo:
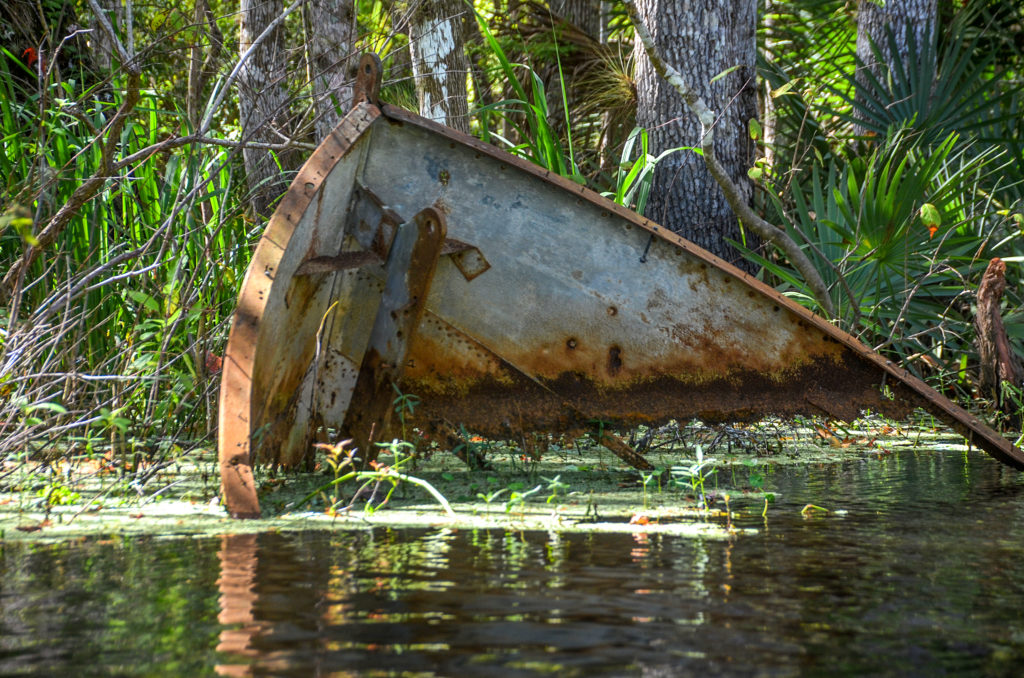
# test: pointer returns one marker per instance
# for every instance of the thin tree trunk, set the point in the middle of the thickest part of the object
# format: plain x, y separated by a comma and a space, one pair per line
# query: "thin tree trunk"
330, 36
101, 43
874, 23
583, 14
707, 37
769, 110
998, 363
439, 63
201, 68
263, 101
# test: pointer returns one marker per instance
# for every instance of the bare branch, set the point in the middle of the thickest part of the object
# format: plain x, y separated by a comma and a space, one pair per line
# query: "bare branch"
765, 230
128, 61
82, 194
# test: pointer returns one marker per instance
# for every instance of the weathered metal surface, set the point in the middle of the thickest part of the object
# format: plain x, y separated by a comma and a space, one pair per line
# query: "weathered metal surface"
571, 310
267, 394
410, 268
368, 80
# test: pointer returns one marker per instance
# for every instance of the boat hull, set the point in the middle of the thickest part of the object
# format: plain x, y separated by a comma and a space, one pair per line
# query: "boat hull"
551, 309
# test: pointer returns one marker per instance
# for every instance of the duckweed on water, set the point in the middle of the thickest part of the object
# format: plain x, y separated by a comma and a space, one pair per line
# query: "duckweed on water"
699, 488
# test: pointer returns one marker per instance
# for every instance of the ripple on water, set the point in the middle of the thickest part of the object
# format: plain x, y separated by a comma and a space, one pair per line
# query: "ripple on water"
921, 574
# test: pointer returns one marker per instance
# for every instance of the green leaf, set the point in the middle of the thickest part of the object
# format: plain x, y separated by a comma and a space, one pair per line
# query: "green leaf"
725, 73
755, 129
755, 173
784, 89
49, 407
144, 299
930, 215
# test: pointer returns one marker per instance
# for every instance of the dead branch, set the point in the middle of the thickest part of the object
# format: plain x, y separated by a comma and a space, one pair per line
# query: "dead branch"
83, 194
762, 228
219, 95
998, 361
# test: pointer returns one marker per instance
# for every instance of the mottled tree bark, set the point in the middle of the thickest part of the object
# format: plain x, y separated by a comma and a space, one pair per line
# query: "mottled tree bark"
768, 109
439, 63
898, 15
263, 101
330, 35
101, 45
584, 14
705, 37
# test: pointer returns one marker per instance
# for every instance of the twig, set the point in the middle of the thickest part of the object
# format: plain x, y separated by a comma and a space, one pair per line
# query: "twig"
765, 230
220, 93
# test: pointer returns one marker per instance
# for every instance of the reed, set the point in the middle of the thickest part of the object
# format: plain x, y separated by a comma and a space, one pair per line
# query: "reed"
118, 322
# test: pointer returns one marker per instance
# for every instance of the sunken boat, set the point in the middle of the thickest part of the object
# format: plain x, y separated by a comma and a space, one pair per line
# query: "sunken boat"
408, 258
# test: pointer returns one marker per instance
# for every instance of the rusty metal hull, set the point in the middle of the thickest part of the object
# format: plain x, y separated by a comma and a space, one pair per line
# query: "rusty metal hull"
549, 308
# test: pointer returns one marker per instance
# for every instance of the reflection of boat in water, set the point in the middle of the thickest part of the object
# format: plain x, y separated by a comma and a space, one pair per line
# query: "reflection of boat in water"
508, 300
238, 597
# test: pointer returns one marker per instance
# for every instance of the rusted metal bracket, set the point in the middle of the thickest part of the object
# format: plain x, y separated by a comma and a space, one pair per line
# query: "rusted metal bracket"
368, 79
409, 271
374, 226
466, 258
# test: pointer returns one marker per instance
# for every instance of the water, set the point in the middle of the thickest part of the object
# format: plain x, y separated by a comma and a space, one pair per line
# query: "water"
922, 576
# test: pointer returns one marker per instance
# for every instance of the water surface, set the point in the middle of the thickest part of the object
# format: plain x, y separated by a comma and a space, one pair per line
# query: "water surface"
922, 575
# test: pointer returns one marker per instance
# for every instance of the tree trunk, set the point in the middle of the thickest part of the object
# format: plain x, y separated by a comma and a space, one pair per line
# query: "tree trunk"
874, 23
263, 102
102, 47
705, 37
330, 35
439, 63
583, 14
898, 15
769, 112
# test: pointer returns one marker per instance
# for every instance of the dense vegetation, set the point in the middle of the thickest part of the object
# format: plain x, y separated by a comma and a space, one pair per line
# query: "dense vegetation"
126, 226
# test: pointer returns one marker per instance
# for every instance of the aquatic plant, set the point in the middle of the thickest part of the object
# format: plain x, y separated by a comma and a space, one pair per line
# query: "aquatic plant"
488, 497
380, 474
646, 479
696, 474
518, 499
554, 486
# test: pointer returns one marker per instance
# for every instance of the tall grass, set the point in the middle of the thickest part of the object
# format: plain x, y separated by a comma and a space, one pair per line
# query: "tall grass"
108, 343
527, 114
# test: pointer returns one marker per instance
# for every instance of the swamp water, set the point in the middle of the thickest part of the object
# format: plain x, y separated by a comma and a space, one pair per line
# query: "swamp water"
920, 573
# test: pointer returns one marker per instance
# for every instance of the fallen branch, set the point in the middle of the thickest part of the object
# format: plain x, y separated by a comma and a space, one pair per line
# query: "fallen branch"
762, 228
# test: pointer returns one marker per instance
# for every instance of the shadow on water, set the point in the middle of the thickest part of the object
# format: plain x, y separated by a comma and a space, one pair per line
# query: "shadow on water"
921, 573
